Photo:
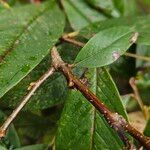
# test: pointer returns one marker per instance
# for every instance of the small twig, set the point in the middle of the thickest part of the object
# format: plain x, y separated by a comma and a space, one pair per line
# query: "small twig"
34, 87
145, 58
116, 121
81, 44
71, 40
137, 96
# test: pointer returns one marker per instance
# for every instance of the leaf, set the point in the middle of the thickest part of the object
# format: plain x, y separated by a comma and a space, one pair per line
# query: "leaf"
32, 127
126, 7
50, 87
33, 147
81, 126
105, 47
140, 24
80, 14
25, 39
11, 139
105, 6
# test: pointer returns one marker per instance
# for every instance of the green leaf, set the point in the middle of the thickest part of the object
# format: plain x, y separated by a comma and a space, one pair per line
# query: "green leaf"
126, 7
80, 14
35, 126
81, 126
141, 25
50, 87
11, 139
33, 147
105, 6
26, 36
105, 47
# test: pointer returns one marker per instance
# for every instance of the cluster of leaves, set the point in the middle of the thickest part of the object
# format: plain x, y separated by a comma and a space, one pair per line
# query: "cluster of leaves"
29, 31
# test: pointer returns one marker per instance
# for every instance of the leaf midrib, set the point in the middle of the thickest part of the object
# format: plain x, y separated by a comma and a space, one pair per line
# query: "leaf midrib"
102, 48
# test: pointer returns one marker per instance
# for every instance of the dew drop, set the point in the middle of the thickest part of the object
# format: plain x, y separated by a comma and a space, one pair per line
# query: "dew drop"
115, 55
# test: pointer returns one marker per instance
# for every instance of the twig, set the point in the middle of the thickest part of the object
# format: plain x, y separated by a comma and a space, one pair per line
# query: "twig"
116, 121
71, 40
81, 44
137, 96
34, 87
145, 58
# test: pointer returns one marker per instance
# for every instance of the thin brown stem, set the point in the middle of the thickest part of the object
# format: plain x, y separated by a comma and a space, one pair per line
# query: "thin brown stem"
116, 121
34, 87
145, 58
137, 96
72, 40
81, 44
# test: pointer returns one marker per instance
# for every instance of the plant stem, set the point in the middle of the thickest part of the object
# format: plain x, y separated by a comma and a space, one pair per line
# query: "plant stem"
137, 96
26, 98
116, 121
81, 44
137, 56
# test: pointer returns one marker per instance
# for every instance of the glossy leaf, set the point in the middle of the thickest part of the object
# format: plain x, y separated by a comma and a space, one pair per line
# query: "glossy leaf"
80, 14
105, 47
126, 7
81, 126
25, 38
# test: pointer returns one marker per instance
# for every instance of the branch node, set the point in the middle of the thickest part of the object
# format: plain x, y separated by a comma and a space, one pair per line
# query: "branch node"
56, 59
2, 133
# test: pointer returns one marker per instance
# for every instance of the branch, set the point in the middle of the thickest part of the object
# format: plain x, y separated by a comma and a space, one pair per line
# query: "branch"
71, 40
116, 121
33, 88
